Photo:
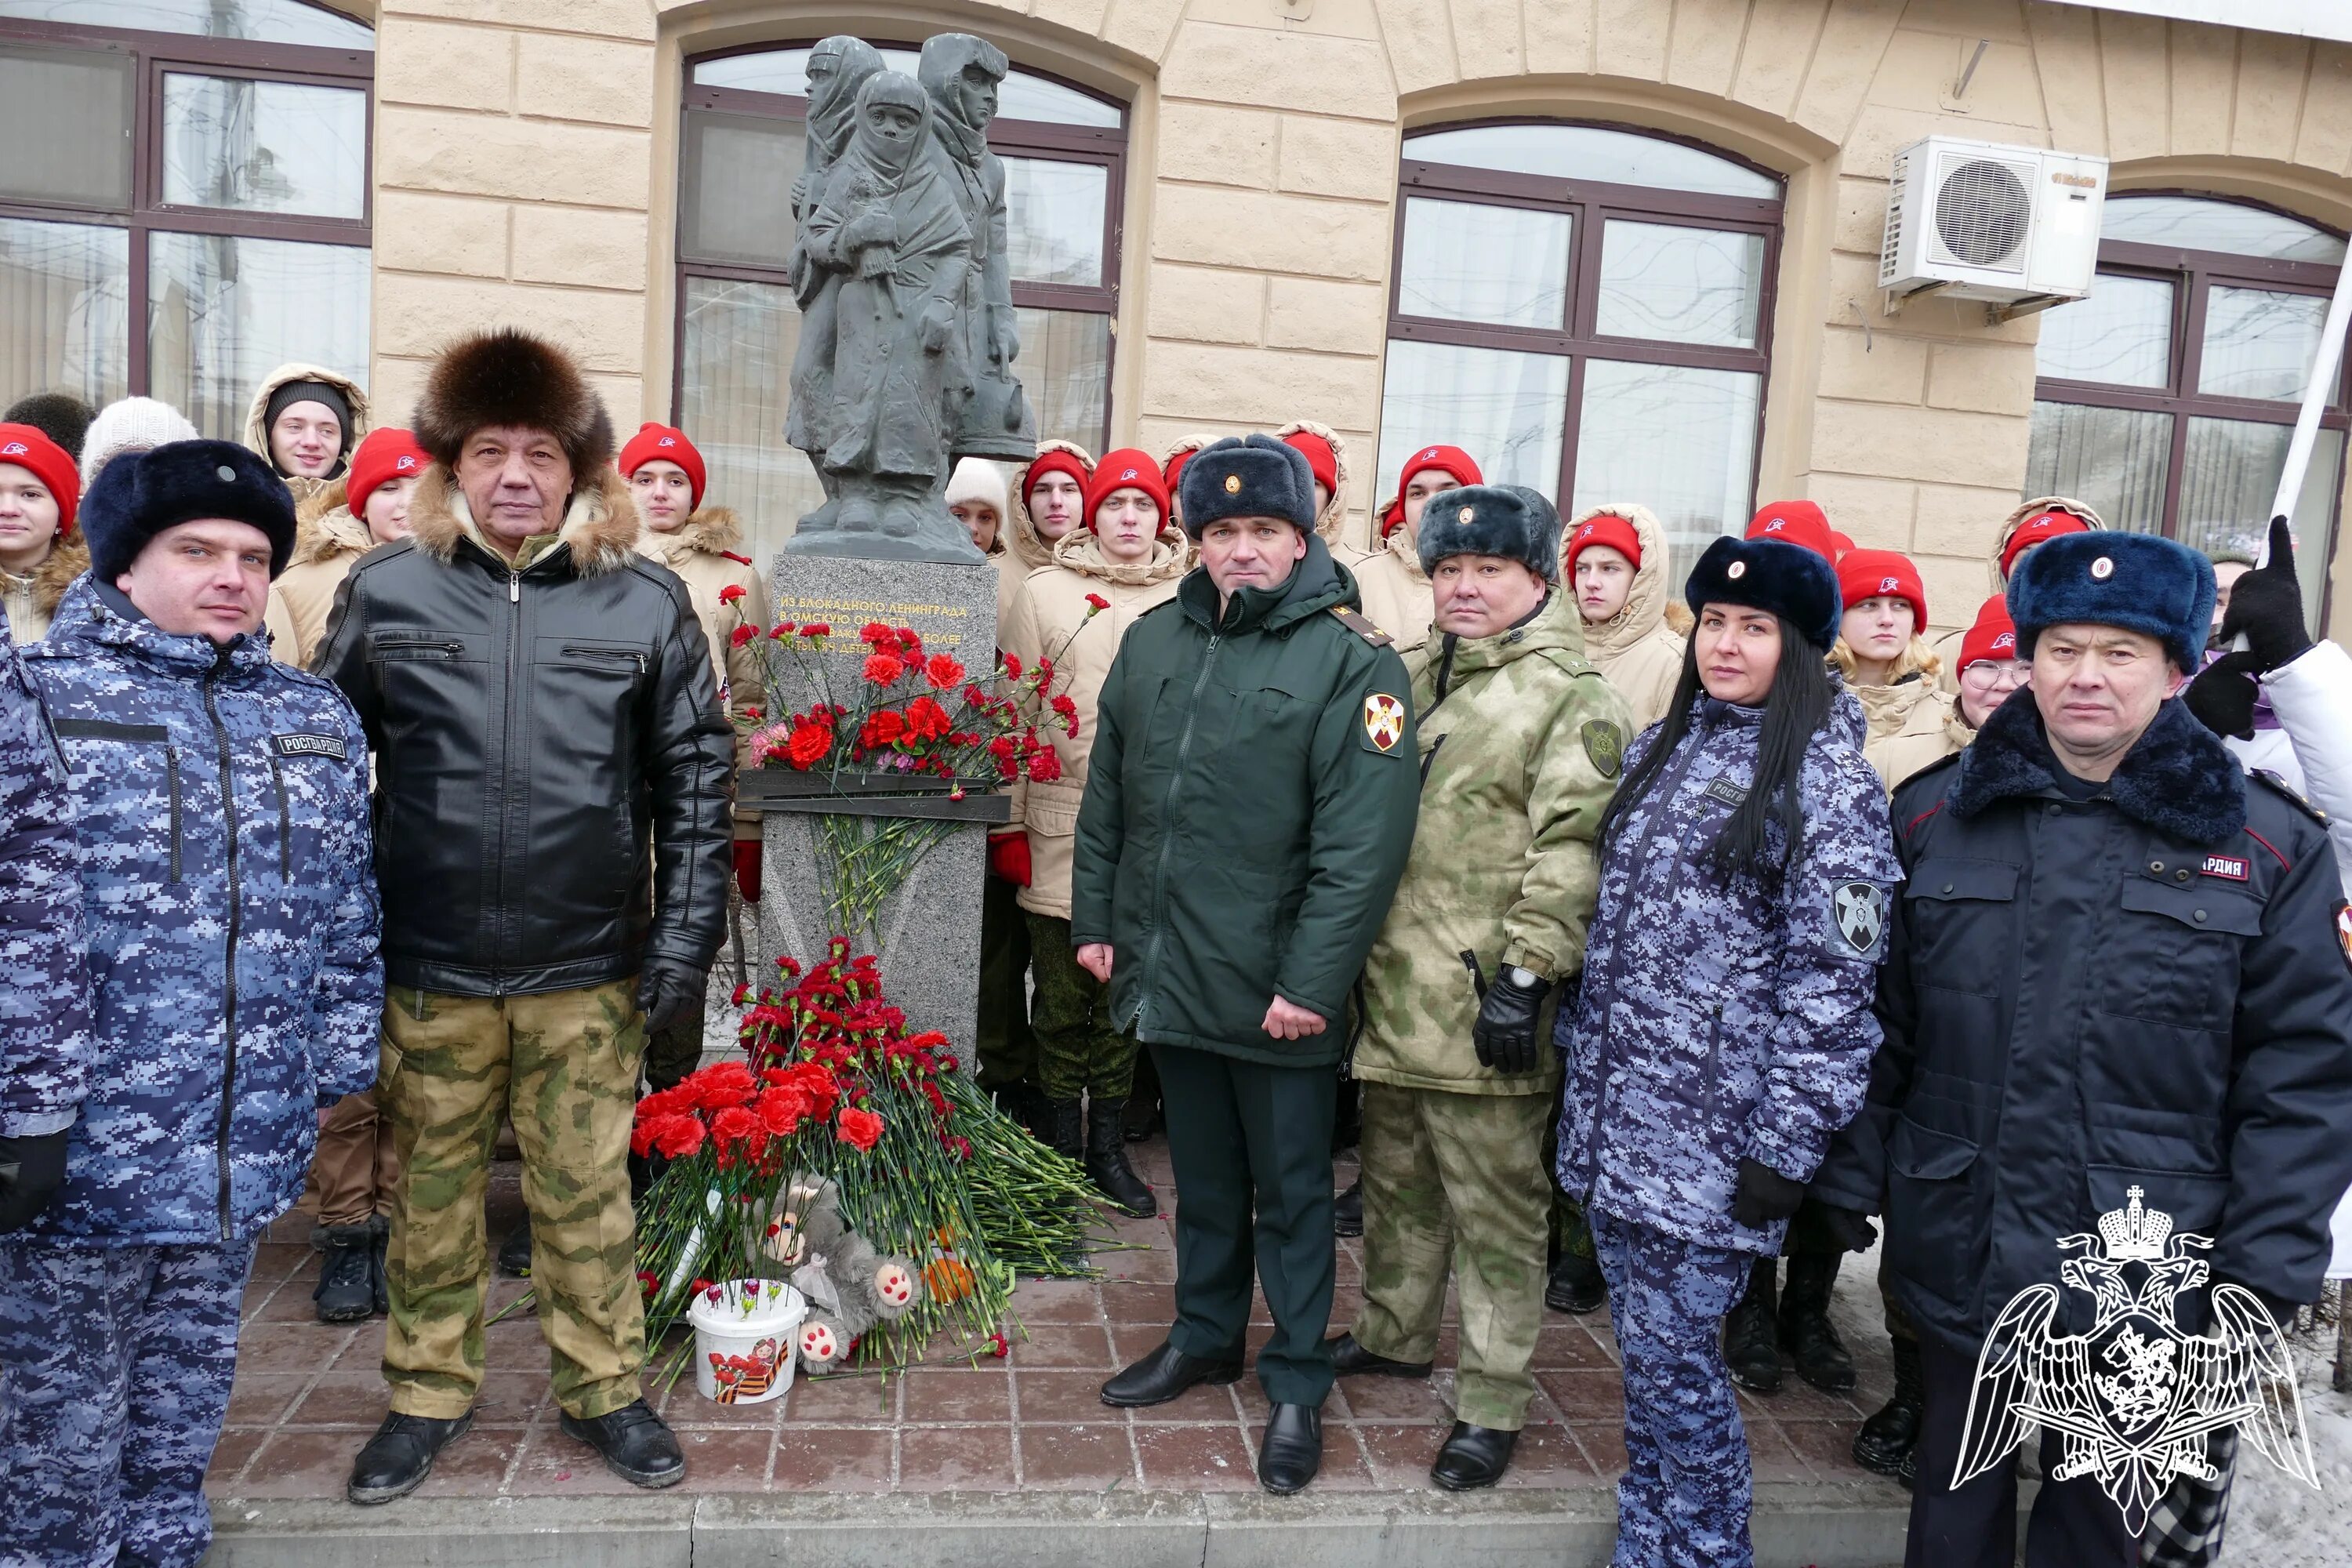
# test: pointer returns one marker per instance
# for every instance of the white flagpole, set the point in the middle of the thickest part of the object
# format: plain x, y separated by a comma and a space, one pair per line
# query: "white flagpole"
2324, 369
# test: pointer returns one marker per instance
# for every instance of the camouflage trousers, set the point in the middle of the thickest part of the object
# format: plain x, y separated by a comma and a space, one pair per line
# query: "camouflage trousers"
115, 1366
1006, 1048
564, 1067
1684, 1497
1078, 1050
1458, 1180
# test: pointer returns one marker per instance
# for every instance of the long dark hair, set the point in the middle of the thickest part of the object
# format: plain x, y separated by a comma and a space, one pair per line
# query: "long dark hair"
1794, 708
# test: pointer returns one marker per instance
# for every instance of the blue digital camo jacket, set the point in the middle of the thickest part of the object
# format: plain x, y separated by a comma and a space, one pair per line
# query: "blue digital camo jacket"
44, 1007
1720, 1020
220, 801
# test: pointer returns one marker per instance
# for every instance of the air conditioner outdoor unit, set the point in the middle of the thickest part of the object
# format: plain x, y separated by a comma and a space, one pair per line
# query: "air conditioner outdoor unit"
1977, 220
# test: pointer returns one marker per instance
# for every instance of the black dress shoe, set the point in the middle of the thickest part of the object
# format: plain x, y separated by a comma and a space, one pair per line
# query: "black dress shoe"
1576, 1285
636, 1445
1347, 1210
514, 1253
1349, 1359
1292, 1449
1167, 1373
400, 1455
1473, 1457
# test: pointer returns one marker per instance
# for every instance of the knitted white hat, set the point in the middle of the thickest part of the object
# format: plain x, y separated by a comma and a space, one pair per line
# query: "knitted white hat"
977, 478
133, 425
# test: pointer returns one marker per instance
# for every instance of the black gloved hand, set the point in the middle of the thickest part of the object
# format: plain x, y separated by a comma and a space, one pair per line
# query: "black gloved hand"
2266, 604
31, 1171
670, 993
1764, 1196
2222, 696
1505, 1033
1850, 1230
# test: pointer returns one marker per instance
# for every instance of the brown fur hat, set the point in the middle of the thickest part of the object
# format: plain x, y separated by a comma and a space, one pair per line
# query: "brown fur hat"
511, 377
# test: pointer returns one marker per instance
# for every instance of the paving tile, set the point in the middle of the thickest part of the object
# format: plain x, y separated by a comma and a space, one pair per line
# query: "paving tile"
831, 1459
726, 1462
1346, 1465
686, 1407
344, 1399
263, 1398
1828, 1448
1400, 1455
1771, 1457
1568, 1345
854, 1400
1394, 1399
300, 1465
955, 1458
553, 1465
958, 1395
1037, 1301
1585, 1393
1196, 1458
1067, 1396
268, 1346
363, 1352
1202, 1402
1066, 1345
512, 1398
1603, 1445
1145, 1301
473, 1466
1548, 1457
236, 1445
1075, 1459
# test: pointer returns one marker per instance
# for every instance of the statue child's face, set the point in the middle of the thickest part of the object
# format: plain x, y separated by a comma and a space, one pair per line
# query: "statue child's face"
893, 124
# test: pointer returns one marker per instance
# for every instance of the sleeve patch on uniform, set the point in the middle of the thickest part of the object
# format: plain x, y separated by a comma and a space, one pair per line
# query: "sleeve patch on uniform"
1605, 744
1383, 722
310, 746
2232, 867
1858, 915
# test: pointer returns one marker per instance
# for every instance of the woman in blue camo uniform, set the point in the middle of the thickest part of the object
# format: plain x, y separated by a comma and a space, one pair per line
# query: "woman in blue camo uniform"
1724, 1030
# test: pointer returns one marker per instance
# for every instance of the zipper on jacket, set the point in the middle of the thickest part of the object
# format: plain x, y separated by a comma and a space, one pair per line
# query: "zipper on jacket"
172, 781
1166, 830
630, 654
1430, 757
285, 823
506, 794
229, 945
439, 649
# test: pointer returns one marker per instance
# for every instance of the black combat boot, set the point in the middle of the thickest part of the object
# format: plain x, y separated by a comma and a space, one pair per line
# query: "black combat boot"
1886, 1440
346, 1292
1066, 1121
1107, 1160
396, 1460
1805, 1329
635, 1444
514, 1253
1576, 1285
1347, 1210
1750, 1347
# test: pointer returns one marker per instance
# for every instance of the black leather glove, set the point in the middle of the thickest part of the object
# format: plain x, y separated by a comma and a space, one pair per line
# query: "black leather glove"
31, 1171
1505, 1033
1764, 1196
2222, 696
1852, 1231
670, 993
2266, 604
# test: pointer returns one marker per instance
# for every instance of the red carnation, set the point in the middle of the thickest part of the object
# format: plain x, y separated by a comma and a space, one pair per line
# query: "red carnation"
1097, 602
1067, 706
942, 672
679, 1138
729, 594
816, 630
911, 646
1045, 767
780, 1109
733, 1124
884, 668
860, 1128
874, 633
728, 1083
927, 720
808, 746
742, 635
883, 727
1011, 665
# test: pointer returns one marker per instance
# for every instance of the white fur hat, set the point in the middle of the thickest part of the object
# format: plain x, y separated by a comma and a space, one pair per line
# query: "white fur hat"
133, 425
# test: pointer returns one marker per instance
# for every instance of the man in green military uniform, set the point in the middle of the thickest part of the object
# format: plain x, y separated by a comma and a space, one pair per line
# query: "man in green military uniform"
1248, 810
1521, 743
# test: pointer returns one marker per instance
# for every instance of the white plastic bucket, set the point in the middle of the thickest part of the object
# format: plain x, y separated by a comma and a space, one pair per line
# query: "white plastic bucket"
743, 1333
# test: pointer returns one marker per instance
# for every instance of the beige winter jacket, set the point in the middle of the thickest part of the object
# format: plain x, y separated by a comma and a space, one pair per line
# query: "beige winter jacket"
1332, 523
1639, 649
32, 599
1024, 550
1396, 590
701, 551
1050, 620
1911, 725
256, 435
303, 597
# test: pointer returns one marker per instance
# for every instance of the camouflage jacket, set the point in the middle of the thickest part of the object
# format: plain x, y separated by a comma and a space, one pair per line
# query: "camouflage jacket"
1520, 750
45, 1039
220, 799
1722, 1018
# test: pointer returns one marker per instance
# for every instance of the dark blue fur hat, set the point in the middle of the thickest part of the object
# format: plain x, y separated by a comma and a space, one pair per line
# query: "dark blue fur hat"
1509, 520
139, 494
2136, 581
1247, 476
1795, 583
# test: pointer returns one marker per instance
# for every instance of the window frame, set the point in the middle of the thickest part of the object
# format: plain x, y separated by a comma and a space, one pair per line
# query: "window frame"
1101, 145
1590, 203
154, 54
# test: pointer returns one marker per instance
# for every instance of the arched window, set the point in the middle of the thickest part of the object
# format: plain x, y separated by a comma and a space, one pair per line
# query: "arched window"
1064, 153
1587, 311
184, 200
2167, 397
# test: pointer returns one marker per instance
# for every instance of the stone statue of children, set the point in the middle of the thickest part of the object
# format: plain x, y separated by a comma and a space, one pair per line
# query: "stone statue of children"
961, 73
837, 67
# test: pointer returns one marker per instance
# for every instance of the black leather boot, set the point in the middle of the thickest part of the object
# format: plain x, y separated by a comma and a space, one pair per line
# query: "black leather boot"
1347, 1210
1107, 1160
1167, 1373
1292, 1449
1065, 1123
1887, 1439
636, 1445
1576, 1285
1473, 1457
1349, 1359
1805, 1329
1752, 1347
400, 1455
514, 1253
1143, 1117
346, 1292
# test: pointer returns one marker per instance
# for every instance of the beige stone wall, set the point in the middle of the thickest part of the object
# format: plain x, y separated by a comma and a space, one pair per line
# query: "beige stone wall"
526, 170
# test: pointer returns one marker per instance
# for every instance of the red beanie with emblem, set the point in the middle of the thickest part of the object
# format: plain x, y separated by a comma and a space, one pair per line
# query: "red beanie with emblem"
1451, 460
1126, 469
667, 443
1993, 637
1608, 529
48, 462
1321, 461
1882, 574
1173, 470
1053, 462
2039, 529
1392, 516
386, 454
1798, 523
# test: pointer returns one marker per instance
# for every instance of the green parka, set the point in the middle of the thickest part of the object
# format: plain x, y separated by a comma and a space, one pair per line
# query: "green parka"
1248, 809
1521, 742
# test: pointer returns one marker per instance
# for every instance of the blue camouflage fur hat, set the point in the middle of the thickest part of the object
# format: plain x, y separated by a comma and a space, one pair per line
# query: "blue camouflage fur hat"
1247, 476
1509, 520
2136, 581
140, 494
1797, 584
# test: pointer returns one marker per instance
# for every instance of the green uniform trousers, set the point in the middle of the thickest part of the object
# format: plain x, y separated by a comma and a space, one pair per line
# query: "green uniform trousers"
1006, 1048
1457, 1180
1251, 1145
1079, 1050
563, 1065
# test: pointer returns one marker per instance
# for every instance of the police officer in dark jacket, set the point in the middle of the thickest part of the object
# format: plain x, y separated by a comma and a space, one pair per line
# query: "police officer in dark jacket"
2117, 964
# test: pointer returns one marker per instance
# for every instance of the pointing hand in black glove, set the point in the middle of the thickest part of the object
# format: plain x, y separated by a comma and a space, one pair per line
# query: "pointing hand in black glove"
1764, 1196
31, 1171
1505, 1033
2266, 605
669, 993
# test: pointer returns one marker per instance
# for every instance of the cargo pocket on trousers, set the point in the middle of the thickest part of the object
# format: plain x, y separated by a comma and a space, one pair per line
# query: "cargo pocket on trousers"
388, 1061
1931, 1209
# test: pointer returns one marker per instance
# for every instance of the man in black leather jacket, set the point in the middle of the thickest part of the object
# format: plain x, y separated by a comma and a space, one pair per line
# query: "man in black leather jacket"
540, 702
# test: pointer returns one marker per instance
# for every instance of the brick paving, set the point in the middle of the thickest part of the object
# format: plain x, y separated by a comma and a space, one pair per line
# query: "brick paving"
308, 1394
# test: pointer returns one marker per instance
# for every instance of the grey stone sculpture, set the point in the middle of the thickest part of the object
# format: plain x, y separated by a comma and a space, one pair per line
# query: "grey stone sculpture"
907, 334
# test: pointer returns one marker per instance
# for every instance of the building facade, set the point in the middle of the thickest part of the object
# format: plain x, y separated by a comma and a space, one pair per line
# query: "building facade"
1620, 249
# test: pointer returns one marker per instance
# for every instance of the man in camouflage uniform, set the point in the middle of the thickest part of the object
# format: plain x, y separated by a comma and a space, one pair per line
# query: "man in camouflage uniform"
1521, 745
220, 803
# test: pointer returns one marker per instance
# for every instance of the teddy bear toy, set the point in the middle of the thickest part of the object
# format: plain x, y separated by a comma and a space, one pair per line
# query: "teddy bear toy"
802, 1238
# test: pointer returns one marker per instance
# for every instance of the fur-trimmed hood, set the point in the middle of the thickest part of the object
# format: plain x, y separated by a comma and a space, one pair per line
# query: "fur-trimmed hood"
1020, 531
329, 534
257, 434
2177, 778
707, 531
68, 559
2008, 525
1081, 551
600, 525
1333, 518
1649, 602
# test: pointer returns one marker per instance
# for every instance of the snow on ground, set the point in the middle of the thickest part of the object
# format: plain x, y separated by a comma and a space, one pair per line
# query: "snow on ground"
2276, 1521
